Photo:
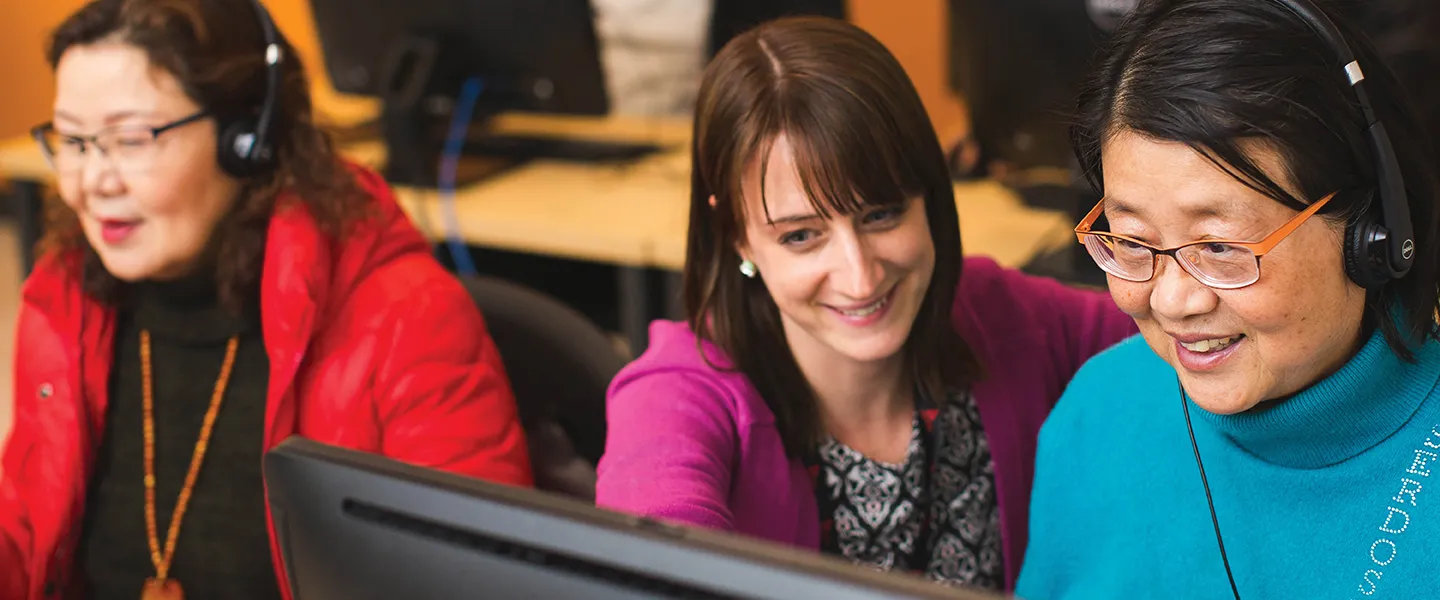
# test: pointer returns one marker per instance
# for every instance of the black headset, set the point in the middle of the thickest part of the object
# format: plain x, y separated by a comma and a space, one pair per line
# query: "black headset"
245, 146
1378, 247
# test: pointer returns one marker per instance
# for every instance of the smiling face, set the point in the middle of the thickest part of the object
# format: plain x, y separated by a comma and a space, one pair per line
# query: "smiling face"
149, 211
848, 287
1233, 349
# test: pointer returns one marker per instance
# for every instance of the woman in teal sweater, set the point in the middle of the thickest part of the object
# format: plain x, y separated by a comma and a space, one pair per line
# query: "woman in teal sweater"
1274, 432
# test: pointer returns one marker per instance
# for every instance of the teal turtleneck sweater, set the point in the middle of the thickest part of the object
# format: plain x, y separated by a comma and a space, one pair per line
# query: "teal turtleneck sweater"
1332, 493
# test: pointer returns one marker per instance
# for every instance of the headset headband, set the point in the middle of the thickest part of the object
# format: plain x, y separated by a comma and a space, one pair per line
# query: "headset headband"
260, 149
1394, 202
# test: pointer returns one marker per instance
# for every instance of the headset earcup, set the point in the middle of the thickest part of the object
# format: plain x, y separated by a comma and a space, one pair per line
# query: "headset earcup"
235, 152
1358, 251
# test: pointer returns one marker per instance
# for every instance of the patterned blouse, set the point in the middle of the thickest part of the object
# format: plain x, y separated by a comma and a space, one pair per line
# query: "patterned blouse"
935, 516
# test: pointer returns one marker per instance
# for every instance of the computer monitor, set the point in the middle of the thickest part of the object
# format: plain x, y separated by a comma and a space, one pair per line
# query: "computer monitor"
535, 56
1018, 64
729, 18
356, 526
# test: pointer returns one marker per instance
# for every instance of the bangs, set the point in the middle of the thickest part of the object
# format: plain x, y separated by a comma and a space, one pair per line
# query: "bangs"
857, 139
844, 166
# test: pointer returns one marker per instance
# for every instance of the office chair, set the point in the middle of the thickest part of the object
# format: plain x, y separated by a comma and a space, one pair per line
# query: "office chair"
559, 364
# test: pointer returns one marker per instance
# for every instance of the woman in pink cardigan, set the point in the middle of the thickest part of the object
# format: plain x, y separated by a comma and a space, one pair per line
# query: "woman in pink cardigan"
839, 385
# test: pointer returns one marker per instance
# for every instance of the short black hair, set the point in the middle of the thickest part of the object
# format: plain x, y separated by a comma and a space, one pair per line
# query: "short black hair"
1219, 75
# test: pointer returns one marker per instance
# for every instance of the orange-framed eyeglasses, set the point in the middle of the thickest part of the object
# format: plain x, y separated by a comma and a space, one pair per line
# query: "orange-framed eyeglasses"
1220, 264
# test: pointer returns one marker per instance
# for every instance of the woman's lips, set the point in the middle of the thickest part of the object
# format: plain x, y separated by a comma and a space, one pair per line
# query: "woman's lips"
115, 231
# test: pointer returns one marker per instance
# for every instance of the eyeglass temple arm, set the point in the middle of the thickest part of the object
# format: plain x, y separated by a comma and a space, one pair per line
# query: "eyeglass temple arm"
1259, 248
1083, 227
1290, 226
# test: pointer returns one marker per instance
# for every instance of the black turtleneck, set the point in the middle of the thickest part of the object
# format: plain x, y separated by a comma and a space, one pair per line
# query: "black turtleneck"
223, 550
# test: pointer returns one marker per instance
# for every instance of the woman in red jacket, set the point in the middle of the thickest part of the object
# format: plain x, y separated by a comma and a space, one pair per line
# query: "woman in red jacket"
216, 281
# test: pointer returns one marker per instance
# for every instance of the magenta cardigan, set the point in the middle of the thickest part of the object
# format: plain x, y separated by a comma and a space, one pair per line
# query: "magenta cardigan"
696, 445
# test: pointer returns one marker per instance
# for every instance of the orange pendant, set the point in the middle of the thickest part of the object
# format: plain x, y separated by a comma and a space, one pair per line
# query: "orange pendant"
155, 589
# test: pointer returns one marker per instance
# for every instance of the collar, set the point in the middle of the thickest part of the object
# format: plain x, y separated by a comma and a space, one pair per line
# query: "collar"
1369, 399
188, 312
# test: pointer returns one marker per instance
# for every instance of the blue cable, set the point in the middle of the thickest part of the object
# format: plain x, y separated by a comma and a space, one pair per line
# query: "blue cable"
449, 164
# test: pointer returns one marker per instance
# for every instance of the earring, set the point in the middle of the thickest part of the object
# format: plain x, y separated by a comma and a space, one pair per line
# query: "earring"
747, 268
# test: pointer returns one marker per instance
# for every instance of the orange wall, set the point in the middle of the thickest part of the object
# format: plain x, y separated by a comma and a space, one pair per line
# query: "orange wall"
24, 25
915, 30
23, 73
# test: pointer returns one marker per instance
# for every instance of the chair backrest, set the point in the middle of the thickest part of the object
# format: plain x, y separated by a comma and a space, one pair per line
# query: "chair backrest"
559, 364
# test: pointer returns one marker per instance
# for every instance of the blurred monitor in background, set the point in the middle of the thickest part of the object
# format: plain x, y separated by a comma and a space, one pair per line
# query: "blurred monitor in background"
441, 68
1018, 64
531, 55
733, 17
1407, 35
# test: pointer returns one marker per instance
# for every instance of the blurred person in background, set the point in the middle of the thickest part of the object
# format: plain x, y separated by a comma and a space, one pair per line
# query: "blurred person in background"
216, 280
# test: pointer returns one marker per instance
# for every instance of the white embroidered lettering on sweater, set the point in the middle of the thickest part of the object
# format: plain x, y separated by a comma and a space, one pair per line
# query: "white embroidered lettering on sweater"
1419, 467
1383, 551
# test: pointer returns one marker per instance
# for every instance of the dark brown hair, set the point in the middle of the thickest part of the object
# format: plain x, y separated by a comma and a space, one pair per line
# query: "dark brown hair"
861, 138
215, 48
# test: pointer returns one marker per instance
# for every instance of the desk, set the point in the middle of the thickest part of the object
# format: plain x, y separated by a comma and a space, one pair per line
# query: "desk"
596, 213
637, 214
634, 216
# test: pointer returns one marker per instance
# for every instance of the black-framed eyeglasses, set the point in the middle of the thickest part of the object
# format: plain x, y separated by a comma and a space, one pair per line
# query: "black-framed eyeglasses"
130, 148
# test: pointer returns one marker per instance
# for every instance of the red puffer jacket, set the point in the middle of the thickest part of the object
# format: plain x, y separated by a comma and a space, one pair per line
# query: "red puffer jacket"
372, 346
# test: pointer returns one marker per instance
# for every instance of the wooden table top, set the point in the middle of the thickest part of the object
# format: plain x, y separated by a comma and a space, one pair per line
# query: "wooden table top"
631, 215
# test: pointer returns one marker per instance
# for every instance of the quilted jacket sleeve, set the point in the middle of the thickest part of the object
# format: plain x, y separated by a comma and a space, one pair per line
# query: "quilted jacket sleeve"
443, 397
14, 524
19, 568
